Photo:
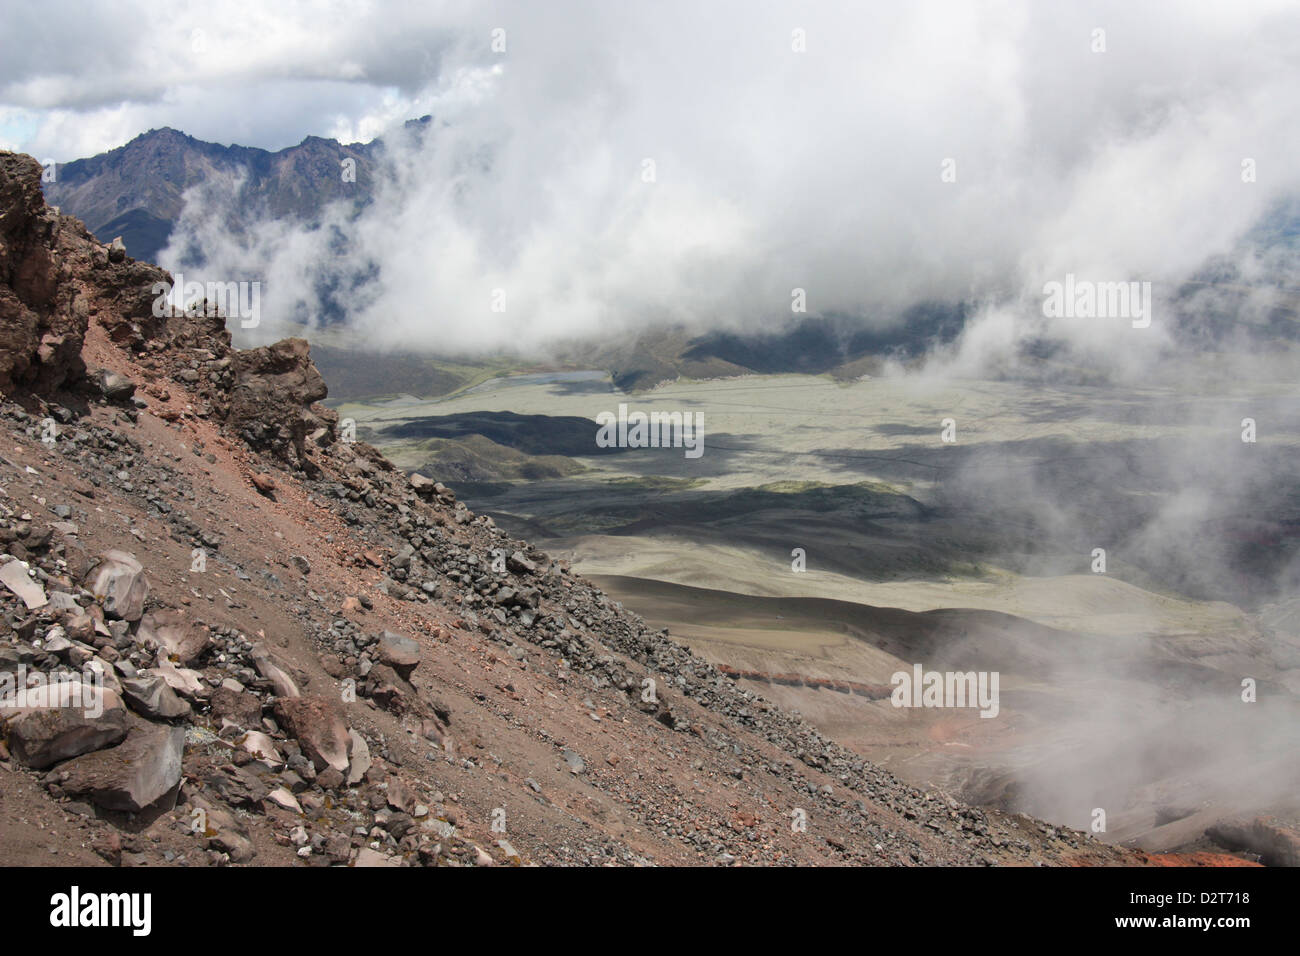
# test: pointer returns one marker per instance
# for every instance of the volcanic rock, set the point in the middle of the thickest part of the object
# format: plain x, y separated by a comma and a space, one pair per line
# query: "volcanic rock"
282, 683
239, 707
113, 386
274, 385
133, 775
400, 653
263, 748
388, 688
151, 696
360, 758
182, 680
56, 722
317, 724
119, 584
14, 576
174, 634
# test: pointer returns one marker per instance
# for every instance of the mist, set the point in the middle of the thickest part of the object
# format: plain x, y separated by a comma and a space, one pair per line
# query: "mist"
604, 174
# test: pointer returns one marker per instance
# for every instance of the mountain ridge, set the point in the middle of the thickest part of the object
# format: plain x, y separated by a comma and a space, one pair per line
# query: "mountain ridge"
137, 190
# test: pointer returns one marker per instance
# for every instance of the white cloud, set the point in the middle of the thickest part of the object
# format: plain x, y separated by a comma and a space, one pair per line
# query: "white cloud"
775, 168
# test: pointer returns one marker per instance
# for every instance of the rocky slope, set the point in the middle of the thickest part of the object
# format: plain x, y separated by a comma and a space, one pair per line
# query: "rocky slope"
300, 655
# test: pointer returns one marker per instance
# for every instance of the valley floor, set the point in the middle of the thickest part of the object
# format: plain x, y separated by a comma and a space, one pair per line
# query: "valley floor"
828, 531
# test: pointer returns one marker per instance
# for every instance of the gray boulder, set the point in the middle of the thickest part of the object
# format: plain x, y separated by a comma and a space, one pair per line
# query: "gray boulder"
133, 775
151, 696
119, 584
62, 720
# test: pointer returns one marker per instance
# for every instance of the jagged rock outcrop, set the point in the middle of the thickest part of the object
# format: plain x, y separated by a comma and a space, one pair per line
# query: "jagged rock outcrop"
270, 403
55, 278
1275, 843
41, 321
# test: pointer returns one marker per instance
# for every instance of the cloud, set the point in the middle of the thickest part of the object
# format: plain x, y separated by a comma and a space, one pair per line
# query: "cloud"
224, 71
793, 146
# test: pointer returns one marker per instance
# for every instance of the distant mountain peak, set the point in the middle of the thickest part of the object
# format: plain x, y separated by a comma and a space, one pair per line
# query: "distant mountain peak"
137, 190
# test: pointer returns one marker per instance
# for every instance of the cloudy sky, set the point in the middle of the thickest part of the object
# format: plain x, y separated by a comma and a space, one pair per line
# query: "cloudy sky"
874, 154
